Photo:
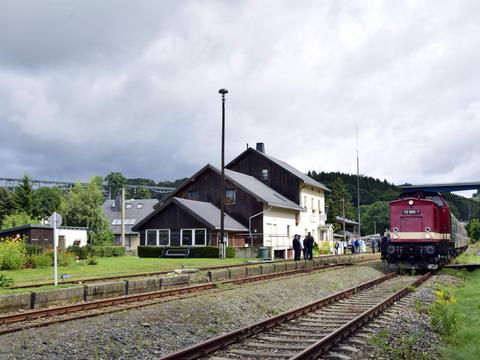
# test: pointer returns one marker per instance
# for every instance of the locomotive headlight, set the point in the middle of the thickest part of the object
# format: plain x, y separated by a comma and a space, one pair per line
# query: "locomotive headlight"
428, 235
410, 202
430, 249
427, 229
390, 249
395, 236
395, 229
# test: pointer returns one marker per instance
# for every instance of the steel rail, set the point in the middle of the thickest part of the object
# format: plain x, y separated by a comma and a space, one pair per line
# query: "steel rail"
219, 342
318, 348
127, 299
147, 274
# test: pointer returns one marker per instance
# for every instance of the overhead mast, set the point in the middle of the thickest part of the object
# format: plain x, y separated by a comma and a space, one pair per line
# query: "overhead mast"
358, 184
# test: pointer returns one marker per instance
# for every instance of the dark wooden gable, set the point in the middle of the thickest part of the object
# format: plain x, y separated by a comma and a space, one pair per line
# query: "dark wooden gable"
174, 218
206, 187
252, 163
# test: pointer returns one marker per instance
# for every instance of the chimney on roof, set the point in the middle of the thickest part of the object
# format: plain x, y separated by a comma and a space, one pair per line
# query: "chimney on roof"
261, 147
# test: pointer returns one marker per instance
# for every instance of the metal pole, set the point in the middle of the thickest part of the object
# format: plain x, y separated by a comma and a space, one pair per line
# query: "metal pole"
222, 180
122, 201
343, 217
358, 189
55, 249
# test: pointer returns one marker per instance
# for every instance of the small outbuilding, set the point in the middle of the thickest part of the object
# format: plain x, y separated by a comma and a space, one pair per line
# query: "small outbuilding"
40, 234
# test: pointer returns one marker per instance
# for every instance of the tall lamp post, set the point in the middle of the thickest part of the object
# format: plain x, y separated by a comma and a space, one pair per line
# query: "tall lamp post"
222, 181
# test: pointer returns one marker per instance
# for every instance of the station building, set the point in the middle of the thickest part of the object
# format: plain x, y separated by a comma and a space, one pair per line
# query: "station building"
267, 201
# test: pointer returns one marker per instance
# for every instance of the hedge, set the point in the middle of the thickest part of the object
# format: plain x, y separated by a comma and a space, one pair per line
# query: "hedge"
101, 251
195, 251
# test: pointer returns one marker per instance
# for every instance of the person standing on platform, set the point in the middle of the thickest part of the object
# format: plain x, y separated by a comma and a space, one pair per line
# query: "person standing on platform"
308, 243
337, 245
297, 247
373, 244
345, 246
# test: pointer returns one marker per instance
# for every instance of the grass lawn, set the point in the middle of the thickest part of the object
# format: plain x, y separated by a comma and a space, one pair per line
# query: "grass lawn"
470, 256
113, 266
464, 342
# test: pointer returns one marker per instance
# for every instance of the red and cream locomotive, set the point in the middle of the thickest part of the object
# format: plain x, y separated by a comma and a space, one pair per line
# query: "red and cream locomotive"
424, 234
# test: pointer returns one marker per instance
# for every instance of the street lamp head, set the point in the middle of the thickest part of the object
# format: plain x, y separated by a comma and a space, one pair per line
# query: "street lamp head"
223, 91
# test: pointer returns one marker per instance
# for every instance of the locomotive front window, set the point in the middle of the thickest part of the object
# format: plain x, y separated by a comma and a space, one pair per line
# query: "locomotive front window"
436, 199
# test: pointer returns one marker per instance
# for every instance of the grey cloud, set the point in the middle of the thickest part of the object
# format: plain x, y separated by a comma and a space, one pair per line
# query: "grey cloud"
132, 86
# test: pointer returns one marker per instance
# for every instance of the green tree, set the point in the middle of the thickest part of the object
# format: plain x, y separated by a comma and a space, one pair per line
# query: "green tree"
45, 201
115, 182
474, 230
83, 207
139, 192
339, 195
23, 196
17, 219
375, 217
7, 204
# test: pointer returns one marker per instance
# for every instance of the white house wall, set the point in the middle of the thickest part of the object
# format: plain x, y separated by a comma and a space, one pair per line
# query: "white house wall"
279, 225
314, 216
72, 235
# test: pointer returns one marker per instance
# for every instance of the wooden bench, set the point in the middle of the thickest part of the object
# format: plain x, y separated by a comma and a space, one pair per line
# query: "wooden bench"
175, 251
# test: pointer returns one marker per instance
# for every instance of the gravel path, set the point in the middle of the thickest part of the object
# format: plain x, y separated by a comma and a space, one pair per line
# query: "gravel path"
150, 332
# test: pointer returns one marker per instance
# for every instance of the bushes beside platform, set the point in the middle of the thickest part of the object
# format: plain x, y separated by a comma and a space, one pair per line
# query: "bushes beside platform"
84, 252
195, 251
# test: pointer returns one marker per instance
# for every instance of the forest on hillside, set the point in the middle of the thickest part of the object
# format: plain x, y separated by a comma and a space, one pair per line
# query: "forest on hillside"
376, 193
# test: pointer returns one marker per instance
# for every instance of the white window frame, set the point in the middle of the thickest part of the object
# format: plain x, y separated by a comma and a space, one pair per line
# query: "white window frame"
157, 236
193, 236
146, 237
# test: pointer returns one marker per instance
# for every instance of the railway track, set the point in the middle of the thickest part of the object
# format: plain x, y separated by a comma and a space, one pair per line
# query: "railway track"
309, 331
156, 273
43, 317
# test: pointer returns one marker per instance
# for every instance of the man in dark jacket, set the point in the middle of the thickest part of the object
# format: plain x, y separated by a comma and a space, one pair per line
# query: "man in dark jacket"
308, 243
297, 247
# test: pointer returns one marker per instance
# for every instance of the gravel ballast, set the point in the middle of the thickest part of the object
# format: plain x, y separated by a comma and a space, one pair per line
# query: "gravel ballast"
150, 332
403, 331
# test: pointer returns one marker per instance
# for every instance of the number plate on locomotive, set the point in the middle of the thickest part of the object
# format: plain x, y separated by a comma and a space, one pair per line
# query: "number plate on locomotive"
411, 212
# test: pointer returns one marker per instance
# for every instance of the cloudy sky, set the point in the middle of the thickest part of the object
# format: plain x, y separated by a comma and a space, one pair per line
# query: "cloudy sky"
90, 87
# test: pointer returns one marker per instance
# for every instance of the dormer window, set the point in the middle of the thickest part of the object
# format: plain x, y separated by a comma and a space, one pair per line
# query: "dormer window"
264, 174
230, 196
192, 195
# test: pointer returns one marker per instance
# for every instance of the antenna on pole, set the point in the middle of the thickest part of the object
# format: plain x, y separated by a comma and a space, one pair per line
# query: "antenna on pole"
358, 184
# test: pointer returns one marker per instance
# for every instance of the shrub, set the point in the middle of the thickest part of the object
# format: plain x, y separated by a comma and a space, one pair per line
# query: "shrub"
65, 258
82, 252
323, 247
443, 314
195, 251
204, 252
230, 253
12, 253
149, 251
92, 261
37, 261
108, 251
34, 249
118, 251
104, 237
5, 281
